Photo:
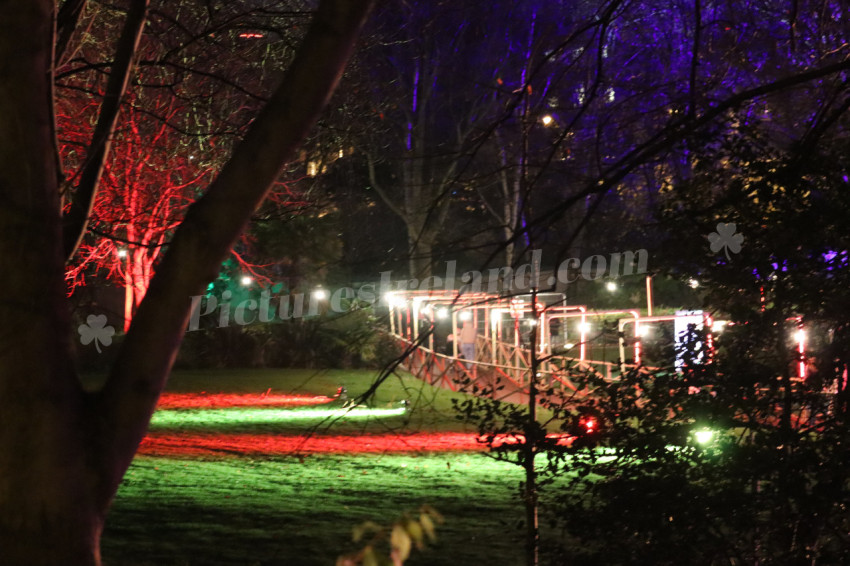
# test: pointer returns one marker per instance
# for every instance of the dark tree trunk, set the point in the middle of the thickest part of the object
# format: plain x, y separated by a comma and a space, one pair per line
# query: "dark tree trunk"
51, 503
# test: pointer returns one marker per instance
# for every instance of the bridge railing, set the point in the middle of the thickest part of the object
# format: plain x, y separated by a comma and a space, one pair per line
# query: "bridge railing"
507, 362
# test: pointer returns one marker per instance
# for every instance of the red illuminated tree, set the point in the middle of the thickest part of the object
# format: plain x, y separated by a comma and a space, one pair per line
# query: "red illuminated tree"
184, 109
64, 450
149, 182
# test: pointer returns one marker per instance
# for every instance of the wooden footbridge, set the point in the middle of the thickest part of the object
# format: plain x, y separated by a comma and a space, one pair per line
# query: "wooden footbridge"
438, 328
438, 331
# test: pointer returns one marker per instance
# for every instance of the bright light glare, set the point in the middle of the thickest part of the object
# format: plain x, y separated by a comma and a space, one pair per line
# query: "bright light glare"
122, 252
611, 286
643, 330
569, 345
465, 315
704, 435
246, 280
496, 315
320, 294
693, 283
394, 300
547, 119
800, 336
584, 327
442, 313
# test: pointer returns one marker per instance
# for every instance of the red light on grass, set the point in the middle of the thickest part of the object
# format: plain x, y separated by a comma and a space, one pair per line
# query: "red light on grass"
232, 400
204, 445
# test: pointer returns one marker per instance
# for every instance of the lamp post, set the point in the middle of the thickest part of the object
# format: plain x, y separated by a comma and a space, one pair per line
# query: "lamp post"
649, 295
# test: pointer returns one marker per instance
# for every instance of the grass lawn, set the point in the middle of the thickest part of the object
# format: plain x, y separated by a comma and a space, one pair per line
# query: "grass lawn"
225, 478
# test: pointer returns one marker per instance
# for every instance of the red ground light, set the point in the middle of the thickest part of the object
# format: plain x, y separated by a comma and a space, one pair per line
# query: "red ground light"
205, 445
197, 445
233, 400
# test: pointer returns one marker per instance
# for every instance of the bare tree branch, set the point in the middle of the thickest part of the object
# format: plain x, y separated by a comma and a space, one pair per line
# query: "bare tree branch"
66, 24
373, 180
77, 218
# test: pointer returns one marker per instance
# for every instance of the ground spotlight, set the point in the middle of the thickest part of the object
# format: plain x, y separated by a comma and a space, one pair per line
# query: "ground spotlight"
704, 436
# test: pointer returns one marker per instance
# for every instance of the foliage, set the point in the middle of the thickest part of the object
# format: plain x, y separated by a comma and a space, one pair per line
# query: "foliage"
329, 340
772, 487
757, 492
400, 537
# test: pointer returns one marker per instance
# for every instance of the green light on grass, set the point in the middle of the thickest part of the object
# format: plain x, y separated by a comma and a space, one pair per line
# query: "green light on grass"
176, 418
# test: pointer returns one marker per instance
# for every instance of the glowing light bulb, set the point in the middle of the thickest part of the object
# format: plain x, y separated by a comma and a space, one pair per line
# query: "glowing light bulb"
704, 435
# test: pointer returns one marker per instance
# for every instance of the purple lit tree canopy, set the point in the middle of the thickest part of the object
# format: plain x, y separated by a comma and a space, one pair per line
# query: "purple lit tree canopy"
628, 86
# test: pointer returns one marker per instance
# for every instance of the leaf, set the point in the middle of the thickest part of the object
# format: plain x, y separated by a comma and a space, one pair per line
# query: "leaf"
369, 557
433, 513
400, 542
414, 529
364, 528
428, 526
